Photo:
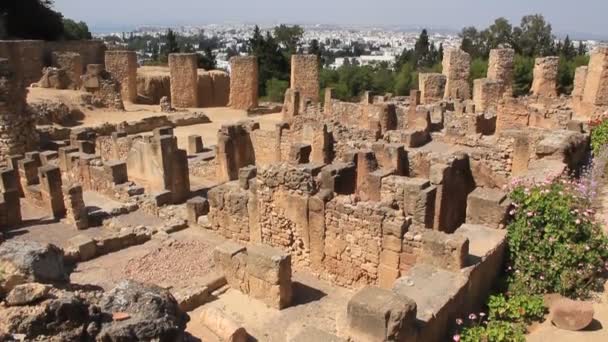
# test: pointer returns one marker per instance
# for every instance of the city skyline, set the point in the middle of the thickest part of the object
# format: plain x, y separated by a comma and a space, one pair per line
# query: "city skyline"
583, 18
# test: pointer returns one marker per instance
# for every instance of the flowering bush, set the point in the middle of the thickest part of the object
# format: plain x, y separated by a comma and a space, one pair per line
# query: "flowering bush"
480, 329
554, 243
517, 308
599, 135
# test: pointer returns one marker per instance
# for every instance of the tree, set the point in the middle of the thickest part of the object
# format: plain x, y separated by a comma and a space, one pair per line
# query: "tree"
76, 30
582, 49
288, 37
422, 53
523, 67
406, 79
499, 34
534, 36
473, 42
31, 19
171, 45
568, 50
207, 60
272, 59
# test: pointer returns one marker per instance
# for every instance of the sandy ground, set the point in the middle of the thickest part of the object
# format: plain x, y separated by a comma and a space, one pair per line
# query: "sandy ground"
219, 116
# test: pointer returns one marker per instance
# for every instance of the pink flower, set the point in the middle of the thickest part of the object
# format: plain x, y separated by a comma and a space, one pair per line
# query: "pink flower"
458, 321
482, 314
577, 221
472, 316
530, 214
512, 212
456, 338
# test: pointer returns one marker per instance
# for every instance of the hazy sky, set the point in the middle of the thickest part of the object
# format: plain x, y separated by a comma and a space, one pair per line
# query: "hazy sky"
585, 16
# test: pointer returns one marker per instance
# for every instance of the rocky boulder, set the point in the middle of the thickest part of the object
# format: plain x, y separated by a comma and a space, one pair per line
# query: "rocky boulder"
27, 293
570, 314
147, 312
27, 261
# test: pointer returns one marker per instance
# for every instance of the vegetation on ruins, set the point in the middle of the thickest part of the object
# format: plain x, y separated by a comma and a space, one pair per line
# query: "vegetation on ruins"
599, 136
554, 242
36, 19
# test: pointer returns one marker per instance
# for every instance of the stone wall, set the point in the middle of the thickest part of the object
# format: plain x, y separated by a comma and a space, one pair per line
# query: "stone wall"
26, 58
243, 82
213, 88
431, 86
184, 79
456, 67
305, 76
123, 66
91, 51
486, 94
545, 76
17, 125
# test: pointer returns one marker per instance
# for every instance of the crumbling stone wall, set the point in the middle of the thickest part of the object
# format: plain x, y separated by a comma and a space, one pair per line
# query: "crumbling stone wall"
596, 84
305, 76
432, 87
234, 149
243, 82
184, 79
25, 58
456, 68
91, 51
122, 65
17, 125
72, 64
545, 76
500, 68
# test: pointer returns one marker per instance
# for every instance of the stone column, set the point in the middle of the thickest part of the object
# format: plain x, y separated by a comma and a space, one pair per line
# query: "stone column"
500, 68
486, 94
291, 104
305, 76
76, 211
596, 85
456, 68
122, 65
51, 189
243, 82
545, 76
184, 79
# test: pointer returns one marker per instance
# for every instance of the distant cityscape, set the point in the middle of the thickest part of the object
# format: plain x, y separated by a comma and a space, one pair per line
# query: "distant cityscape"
382, 45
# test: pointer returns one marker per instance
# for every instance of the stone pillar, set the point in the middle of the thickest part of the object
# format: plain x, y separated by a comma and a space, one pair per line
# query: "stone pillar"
327, 106
243, 82
545, 76
17, 127
291, 104
76, 211
71, 62
122, 65
432, 87
305, 76
486, 94
500, 68
456, 68
596, 85
184, 79
10, 193
51, 189
578, 91
195, 144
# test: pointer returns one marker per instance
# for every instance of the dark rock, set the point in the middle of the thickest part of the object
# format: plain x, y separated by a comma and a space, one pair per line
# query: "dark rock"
154, 314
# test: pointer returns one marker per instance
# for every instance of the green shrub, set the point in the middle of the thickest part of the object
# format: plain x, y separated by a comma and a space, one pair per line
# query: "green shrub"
275, 90
554, 244
517, 308
492, 331
599, 136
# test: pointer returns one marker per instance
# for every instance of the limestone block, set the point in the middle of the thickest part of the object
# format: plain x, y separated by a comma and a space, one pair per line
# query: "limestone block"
195, 208
72, 64
375, 314
447, 251
195, 144
500, 68
596, 84
86, 247
486, 94
487, 207
572, 315
224, 327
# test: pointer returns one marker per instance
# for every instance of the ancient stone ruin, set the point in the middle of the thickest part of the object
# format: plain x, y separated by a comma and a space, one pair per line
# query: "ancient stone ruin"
376, 220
